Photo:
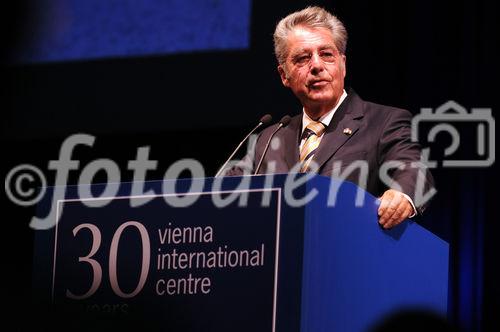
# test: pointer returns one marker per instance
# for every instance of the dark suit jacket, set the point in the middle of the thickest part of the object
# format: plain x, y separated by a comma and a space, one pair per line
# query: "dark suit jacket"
379, 134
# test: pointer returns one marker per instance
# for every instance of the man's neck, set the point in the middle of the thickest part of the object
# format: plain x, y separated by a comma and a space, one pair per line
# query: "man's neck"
316, 111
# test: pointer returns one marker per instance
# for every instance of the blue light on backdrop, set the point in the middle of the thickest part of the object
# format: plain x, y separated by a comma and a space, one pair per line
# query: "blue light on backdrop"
61, 30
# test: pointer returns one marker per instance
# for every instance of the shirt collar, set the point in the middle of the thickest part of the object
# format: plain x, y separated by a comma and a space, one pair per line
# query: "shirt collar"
325, 119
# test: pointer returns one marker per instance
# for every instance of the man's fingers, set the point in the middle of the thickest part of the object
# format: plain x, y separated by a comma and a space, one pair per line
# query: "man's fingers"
392, 212
392, 208
401, 213
384, 202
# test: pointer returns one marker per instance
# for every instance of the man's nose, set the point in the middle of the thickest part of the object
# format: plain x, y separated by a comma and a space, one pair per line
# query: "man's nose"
316, 64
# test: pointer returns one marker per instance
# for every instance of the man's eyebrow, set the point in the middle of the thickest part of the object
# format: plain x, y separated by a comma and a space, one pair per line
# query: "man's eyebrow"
327, 47
299, 51
305, 50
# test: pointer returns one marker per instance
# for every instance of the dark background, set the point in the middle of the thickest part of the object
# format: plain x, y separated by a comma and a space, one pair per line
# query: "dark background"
406, 54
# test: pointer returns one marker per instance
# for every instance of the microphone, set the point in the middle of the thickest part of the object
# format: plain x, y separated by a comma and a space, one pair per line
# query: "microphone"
265, 120
283, 123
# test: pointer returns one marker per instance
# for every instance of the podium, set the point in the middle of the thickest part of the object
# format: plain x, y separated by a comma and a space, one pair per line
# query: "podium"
255, 253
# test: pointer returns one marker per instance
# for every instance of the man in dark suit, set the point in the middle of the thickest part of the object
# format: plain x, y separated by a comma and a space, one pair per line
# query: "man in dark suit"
339, 134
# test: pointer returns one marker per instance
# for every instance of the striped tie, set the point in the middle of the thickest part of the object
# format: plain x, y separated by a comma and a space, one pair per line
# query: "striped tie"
312, 135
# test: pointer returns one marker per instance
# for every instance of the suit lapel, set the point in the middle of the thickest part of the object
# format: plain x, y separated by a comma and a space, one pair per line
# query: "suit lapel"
291, 136
347, 116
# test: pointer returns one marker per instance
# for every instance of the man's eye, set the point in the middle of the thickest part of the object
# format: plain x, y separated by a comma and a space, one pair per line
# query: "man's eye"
302, 60
328, 56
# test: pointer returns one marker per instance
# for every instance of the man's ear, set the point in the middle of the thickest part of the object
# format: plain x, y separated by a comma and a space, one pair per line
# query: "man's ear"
344, 67
284, 76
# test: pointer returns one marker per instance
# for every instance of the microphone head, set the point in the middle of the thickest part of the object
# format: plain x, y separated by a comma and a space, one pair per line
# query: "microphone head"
266, 119
285, 120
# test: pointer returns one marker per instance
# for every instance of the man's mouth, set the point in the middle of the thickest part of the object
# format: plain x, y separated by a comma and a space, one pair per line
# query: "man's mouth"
317, 84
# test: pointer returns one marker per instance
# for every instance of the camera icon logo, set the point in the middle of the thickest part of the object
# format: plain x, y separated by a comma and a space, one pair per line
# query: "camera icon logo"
449, 118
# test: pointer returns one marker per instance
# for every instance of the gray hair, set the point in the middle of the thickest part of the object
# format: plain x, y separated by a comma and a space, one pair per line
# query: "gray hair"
312, 17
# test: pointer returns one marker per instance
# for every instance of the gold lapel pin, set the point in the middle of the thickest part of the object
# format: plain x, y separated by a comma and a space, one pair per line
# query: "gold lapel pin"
347, 131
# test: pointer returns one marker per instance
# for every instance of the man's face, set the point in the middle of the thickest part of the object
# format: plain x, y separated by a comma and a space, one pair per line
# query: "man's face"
314, 69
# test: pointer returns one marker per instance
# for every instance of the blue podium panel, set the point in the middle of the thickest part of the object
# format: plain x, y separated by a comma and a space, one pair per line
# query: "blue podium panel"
239, 253
356, 273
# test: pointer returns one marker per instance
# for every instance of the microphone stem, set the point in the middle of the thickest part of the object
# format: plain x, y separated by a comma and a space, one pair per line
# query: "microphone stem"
266, 148
237, 148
